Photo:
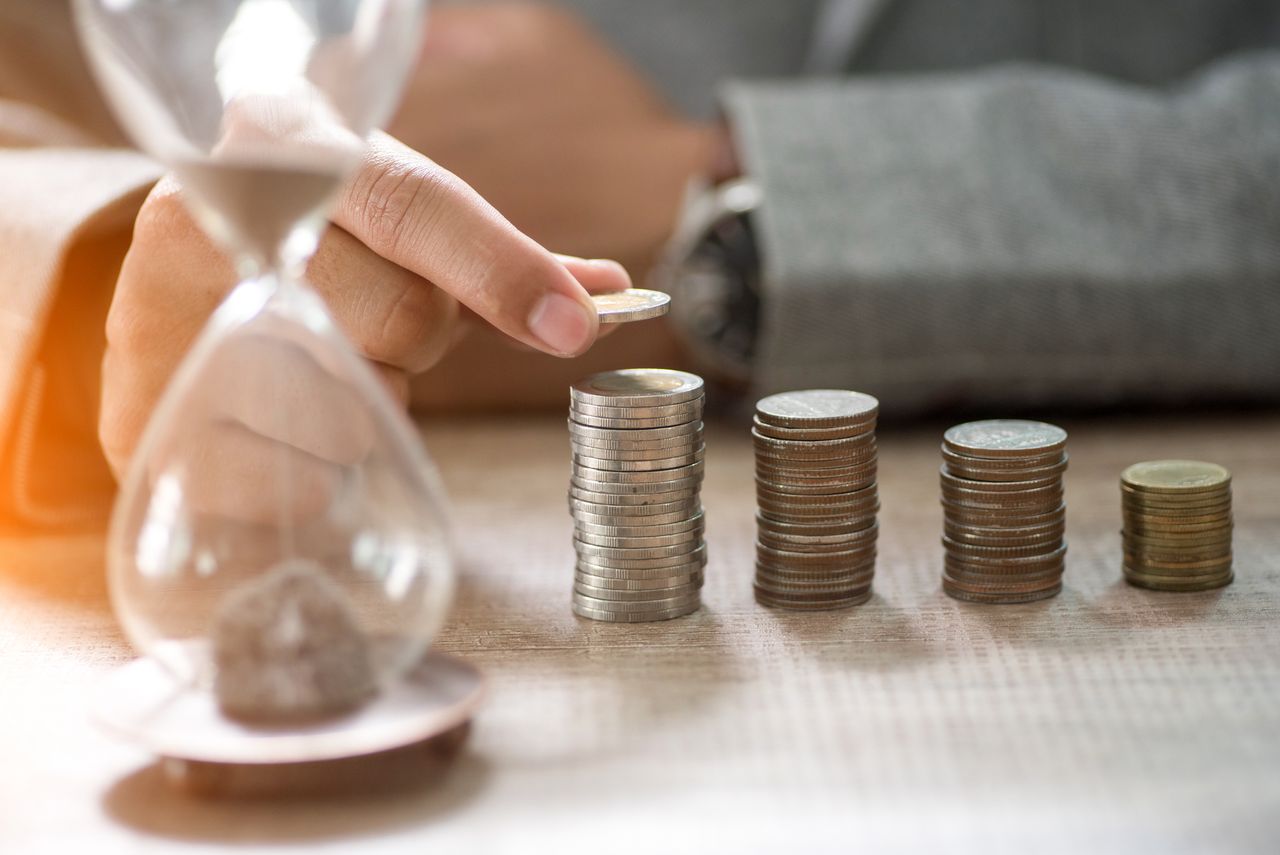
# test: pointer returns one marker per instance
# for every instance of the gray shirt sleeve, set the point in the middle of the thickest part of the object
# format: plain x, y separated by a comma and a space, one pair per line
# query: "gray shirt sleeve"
1018, 236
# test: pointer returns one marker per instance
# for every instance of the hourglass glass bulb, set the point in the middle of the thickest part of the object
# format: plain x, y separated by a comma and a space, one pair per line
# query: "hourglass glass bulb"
280, 537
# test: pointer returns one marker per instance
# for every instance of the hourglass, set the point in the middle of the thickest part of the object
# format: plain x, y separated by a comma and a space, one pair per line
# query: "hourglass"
279, 550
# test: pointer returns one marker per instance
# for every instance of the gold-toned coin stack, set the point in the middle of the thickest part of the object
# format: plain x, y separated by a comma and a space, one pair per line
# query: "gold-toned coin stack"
816, 498
1177, 525
635, 494
1003, 512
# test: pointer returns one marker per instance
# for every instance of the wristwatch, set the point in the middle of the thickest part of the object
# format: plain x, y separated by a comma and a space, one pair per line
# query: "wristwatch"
711, 269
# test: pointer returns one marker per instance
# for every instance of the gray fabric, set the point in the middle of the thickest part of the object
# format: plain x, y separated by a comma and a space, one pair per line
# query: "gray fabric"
1020, 235
1080, 203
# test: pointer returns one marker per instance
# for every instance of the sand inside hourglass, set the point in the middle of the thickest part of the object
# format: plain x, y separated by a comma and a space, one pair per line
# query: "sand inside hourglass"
287, 644
255, 207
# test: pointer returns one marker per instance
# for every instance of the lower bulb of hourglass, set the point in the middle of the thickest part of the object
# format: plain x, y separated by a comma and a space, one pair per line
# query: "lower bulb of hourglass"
280, 539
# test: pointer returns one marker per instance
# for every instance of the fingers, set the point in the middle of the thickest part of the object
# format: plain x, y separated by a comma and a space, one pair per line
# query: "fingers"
275, 388
230, 471
392, 315
419, 216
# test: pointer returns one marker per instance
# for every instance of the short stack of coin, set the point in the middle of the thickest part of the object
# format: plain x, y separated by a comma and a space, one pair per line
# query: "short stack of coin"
1177, 525
816, 498
1003, 512
635, 494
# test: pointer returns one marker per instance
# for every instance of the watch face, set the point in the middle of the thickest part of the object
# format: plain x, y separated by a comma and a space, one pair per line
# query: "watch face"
719, 297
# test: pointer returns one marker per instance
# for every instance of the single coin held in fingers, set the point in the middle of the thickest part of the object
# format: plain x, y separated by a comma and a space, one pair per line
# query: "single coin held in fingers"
633, 304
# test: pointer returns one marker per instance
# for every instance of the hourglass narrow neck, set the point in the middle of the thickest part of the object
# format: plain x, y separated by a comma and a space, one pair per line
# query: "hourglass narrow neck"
268, 216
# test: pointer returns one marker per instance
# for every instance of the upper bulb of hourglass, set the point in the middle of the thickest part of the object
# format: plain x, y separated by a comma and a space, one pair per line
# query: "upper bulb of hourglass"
280, 537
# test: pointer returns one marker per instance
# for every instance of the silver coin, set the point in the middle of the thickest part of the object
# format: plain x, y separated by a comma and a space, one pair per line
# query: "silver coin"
640, 542
778, 588
662, 571
1005, 438
689, 411
633, 499
614, 595
950, 480
636, 527
693, 448
784, 488
692, 558
857, 442
817, 573
817, 407
634, 617
639, 574
853, 573
805, 604
978, 563
690, 472
963, 537
999, 599
666, 491
960, 548
633, 424
962, 516
633, 304
975, 473
682, 549
637, 387
636, 461
650, 476
801, 543
815, 467
634, 515
817, 515
815, 477
649, 435
840, 502
659, 604
604, 447
811, 433
1033, 461
817, 454
627, 584
787, 557
659, 465
627, 518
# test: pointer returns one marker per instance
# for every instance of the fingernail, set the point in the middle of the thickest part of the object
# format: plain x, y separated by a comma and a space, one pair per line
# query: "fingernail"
561, 323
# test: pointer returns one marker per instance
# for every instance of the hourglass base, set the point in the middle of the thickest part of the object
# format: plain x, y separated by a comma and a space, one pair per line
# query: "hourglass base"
142, 703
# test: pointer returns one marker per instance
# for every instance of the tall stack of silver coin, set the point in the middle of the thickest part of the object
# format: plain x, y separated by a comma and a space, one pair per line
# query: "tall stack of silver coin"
816, 498
1003, 510
635, 494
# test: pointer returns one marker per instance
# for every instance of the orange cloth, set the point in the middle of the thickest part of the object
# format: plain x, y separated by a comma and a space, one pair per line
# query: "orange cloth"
68, 193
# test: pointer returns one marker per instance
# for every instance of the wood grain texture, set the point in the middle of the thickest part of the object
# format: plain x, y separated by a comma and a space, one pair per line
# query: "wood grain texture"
1109, 719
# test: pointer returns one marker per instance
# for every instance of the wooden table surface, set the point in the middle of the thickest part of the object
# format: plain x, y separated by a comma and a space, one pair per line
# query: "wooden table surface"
1108, 719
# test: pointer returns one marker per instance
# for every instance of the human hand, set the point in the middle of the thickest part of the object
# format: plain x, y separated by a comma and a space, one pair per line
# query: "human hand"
548, 123
409, 243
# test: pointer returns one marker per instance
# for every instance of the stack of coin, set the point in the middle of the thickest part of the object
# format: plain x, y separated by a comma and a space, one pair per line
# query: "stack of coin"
636, 437
1003, 511
816, 498
1177, 525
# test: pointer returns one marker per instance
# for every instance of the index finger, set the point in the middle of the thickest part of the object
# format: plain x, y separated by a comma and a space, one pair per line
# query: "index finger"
417, 214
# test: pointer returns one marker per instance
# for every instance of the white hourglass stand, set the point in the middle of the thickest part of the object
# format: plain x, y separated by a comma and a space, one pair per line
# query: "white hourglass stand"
280, 551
